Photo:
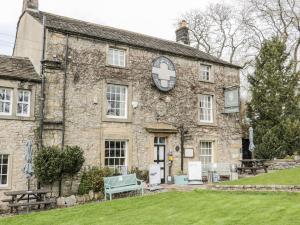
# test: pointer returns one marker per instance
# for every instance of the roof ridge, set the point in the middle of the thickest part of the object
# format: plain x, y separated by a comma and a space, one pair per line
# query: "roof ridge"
120, 29
173, 47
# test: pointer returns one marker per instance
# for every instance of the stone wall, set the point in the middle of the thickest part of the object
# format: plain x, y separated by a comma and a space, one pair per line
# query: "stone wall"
281, 164
14, 133
86, 122
263, 188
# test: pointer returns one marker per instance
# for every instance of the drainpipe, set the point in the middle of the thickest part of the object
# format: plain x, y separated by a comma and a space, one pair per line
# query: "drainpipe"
42, 75
64, 94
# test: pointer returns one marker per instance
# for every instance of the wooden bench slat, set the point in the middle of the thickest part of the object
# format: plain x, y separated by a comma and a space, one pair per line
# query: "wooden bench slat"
119, 184
32, 203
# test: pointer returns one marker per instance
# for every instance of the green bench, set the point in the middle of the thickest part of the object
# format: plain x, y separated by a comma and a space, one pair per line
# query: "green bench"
124, 183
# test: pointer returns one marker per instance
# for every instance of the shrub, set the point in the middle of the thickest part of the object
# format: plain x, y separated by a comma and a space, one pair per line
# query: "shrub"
48, 165
140, 174
52, 164
92, 179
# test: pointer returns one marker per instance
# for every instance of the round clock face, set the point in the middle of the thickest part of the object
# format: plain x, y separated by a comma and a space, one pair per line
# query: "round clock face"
163, 73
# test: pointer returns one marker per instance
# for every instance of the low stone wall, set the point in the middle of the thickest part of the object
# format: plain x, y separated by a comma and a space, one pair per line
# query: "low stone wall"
281, 164
277, 188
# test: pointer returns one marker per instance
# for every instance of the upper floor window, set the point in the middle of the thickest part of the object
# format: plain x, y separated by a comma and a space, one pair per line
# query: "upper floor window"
116, 96
205, 72
23, 107
3, 170
116, 57
206, 150
206, 108
5, 101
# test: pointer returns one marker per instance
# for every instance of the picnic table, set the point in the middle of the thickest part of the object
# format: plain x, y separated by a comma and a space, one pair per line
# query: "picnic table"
252, 165
27, 199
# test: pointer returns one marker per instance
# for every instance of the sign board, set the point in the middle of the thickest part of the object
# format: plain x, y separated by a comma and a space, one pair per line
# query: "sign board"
163, 73
188, 153
154, 174
195, 171
232, 100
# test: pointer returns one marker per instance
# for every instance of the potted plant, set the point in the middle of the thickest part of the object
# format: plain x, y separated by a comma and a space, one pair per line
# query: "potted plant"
180, 178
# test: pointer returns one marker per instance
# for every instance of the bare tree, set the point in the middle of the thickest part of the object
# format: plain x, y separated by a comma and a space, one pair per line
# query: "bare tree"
217, 30
236, 32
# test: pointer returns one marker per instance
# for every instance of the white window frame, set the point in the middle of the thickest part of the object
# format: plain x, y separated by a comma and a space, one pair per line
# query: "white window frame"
205, 71
207, 149
7, 173
125, 102
206, 110
7, 101
115, 58
125, 155
23, 103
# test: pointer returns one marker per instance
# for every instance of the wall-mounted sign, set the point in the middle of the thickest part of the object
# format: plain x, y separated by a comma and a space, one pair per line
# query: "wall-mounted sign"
164, 73
188, 153
232, 100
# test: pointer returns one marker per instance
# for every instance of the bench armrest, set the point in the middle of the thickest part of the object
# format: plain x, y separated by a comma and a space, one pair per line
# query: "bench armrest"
139, 181
107, 186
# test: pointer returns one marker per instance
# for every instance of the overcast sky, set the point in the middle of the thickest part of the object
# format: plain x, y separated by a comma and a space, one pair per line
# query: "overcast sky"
152, 17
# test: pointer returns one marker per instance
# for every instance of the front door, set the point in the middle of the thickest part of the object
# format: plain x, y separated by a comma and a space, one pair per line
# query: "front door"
159, 155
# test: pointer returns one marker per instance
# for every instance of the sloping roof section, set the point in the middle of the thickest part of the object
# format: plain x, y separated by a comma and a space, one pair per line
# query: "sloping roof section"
69, 25
17, 68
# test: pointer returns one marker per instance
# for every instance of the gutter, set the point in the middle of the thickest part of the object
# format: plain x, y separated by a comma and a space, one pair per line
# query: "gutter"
42, 97
64, 93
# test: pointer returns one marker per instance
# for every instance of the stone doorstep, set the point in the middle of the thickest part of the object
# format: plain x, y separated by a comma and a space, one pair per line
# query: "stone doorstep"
282, 188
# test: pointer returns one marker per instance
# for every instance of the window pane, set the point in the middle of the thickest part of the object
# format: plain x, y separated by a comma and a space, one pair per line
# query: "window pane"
116, 57
4, 169
206, 152
206, 108
4, 159
3, 180
117, 100
115, 156
7, 107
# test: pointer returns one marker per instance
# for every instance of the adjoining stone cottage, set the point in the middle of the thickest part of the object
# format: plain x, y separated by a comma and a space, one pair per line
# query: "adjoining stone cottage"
19, 108
125, 98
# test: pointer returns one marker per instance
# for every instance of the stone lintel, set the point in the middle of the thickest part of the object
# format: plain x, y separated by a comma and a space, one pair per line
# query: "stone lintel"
161, 128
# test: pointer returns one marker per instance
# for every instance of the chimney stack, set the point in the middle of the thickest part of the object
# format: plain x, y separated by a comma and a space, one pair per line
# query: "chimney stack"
30, 4
182, 33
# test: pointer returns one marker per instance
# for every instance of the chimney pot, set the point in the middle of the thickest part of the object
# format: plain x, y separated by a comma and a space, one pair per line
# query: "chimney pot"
30, 4
182, 33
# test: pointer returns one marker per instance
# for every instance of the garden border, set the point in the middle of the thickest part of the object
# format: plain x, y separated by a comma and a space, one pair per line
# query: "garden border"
271, 188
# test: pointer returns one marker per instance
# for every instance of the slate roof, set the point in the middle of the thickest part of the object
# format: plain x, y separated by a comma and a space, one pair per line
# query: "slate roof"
17, 68
73, 26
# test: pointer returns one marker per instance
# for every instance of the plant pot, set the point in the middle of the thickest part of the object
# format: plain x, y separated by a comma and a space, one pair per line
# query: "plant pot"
181, 179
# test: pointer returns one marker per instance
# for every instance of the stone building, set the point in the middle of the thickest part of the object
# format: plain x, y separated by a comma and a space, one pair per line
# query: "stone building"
19, 96
127, 99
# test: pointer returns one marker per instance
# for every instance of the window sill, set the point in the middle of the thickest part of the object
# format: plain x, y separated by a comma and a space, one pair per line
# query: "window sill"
117, 120
20, 118
117, 67
207, 124
207, 81
5, 187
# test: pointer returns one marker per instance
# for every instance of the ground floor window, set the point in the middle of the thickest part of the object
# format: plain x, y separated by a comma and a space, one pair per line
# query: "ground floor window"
3, 170
115, 153
206, 150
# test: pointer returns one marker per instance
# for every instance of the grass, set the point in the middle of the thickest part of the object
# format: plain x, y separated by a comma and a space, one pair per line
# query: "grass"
281, 177
197, 207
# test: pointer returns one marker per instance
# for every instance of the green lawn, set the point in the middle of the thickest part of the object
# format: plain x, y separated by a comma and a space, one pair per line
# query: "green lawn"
282, 177
197, 207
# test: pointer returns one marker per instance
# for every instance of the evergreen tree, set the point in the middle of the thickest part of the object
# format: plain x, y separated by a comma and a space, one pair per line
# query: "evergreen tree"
274, 107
